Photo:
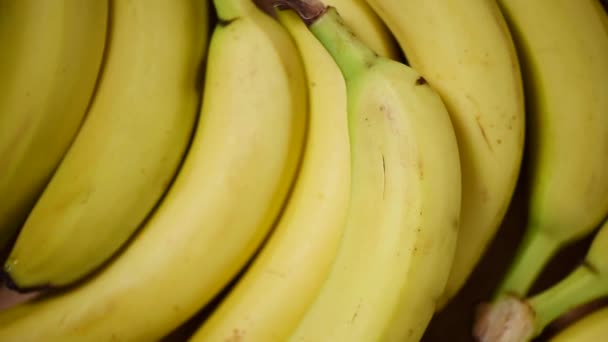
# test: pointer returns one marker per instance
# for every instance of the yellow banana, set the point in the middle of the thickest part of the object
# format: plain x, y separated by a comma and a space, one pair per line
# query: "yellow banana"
286, 275
465, 51
563, 46
127, 151
224, 200
49, 61
591, 328
401, 226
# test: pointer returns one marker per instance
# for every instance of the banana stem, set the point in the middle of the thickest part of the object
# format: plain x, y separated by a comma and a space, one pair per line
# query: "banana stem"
580, 287
348, 51
228, 10
329, 28
533, 254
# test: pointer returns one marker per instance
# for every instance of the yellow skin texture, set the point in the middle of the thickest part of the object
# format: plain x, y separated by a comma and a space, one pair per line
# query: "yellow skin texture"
285, 277
222, 204
463, 48
49, 61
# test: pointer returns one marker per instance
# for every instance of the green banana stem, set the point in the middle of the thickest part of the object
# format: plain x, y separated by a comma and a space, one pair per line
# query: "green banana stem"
582, 286
326, 24
533, 254
348, 51
228, 10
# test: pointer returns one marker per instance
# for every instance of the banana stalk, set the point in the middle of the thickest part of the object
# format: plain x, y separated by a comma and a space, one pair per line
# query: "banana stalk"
513, 319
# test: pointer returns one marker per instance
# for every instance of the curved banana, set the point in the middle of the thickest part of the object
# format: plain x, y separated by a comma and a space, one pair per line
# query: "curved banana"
591, 328
226, 196
563, 46
49, 61
366, 25
586, 283
127, 151
464, 49
289, 270
400, 233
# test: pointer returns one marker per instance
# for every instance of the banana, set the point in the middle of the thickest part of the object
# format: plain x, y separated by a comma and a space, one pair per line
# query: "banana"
465, 51
127, 151
588, 282
591, 328
366, 25
401, 226
286, 275
224, 200
563, 47
49, 61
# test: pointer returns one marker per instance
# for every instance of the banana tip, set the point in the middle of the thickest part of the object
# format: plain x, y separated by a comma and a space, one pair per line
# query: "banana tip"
11, 284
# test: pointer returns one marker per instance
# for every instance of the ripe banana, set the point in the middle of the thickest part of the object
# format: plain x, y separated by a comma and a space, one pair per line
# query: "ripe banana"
366, 25
49, 61
401, 227
286, 275
563, 46
127, 151
588, 282
225, 198
465, 51
592, 328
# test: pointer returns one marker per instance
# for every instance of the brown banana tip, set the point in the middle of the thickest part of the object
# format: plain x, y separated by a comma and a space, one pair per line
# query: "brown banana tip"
308, 10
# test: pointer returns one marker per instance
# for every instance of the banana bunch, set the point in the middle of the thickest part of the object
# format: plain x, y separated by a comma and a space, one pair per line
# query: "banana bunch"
230, 187
296, 170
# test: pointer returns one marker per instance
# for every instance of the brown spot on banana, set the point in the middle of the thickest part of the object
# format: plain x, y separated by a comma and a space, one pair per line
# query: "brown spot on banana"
237, 336
383, 175
421, 81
